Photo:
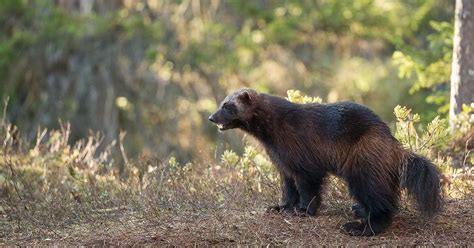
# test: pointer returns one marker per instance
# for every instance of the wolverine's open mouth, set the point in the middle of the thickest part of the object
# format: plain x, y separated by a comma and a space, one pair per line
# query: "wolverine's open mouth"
221, 126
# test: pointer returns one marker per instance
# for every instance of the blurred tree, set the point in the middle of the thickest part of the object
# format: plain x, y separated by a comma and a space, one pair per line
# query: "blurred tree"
462, 76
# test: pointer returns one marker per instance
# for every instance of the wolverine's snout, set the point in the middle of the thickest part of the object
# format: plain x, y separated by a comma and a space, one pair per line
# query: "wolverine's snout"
212, 119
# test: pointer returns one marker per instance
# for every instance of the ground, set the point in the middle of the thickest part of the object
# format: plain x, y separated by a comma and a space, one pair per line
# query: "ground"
228, 226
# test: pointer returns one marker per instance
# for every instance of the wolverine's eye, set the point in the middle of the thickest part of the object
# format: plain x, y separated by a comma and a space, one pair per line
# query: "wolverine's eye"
229, 108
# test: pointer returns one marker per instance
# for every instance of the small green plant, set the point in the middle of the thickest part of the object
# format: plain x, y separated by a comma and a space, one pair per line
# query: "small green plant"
229, 157
252, 166
296, 97
413, 137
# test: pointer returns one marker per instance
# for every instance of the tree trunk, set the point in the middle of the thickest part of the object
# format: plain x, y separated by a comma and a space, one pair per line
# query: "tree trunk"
462, 75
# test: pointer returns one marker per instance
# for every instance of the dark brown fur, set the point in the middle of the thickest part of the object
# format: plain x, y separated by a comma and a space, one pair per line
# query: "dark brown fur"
306, 142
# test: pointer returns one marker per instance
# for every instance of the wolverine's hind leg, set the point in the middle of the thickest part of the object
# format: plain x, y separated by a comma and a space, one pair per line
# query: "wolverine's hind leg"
377, 199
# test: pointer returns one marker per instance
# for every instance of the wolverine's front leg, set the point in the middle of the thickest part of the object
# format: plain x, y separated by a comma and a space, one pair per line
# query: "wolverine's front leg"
309, 189
290, 196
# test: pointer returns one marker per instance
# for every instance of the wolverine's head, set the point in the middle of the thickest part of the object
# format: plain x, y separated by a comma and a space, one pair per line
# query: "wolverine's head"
235, 110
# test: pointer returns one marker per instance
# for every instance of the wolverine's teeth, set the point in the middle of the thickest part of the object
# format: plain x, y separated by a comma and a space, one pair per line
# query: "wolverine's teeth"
220, 126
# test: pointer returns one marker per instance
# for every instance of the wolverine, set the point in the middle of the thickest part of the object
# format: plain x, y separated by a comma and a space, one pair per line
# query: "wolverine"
307, 142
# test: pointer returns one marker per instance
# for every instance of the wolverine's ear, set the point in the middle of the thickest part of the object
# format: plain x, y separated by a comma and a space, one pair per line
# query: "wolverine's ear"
245, 97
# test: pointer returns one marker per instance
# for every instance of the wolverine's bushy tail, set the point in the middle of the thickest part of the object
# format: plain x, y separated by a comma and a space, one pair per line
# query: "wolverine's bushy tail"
422, 181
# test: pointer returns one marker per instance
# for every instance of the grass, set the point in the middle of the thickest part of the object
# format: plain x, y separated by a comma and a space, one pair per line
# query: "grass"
54, 193
240, 221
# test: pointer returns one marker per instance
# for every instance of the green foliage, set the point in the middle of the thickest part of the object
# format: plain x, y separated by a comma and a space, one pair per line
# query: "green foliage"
430, 66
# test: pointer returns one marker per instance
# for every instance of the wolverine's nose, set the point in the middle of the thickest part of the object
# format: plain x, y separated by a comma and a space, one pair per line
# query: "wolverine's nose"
211, 118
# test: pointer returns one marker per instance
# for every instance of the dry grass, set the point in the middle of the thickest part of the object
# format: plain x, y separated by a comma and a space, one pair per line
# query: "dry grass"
230, 224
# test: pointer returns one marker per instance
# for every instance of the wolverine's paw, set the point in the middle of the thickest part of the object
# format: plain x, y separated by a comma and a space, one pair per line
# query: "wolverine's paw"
357, 228
360, 228
303, 212
279, 209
